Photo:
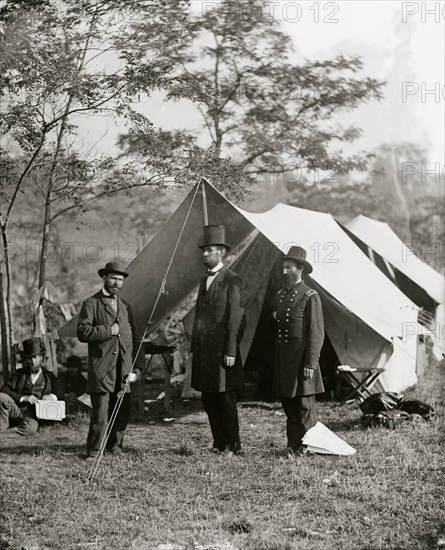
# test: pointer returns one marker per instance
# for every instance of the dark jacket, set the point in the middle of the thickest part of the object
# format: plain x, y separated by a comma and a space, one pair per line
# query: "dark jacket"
19, 385
300, 336
216, 332
94, 327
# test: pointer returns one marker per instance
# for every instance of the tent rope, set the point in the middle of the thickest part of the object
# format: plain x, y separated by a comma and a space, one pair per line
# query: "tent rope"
121, 394
163, 289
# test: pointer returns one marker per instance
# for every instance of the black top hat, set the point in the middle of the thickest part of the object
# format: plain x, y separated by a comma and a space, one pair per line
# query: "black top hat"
214, 235
298, 255
113, 267
32, 347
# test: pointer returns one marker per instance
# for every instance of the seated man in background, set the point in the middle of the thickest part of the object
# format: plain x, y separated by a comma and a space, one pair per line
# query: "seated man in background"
24, 388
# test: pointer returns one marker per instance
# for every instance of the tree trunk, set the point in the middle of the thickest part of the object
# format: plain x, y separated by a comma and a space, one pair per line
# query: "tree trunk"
48, 198
218, 142
4, 333
401, 196
54, 166
10, 319
45, 239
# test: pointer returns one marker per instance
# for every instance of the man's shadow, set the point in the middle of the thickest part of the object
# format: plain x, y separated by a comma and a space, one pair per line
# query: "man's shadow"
39, 449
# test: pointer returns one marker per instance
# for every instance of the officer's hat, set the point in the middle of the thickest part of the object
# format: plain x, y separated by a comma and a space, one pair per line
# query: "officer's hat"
298, 254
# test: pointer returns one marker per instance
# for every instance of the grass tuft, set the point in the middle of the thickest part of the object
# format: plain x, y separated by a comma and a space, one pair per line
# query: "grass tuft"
185, 449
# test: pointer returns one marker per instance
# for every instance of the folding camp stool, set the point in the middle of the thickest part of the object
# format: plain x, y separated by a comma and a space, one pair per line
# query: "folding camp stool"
361, 386
165, 352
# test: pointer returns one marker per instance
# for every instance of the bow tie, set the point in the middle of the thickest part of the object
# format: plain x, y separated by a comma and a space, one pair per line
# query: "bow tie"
211, 273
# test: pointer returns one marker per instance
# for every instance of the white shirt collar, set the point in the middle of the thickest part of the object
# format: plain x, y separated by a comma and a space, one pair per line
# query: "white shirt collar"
106, 293
34, 376
211, 278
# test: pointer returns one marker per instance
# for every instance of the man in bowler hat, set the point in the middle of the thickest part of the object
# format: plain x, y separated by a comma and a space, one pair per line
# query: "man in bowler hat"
216, 366
300, 335
24, 388
106, 323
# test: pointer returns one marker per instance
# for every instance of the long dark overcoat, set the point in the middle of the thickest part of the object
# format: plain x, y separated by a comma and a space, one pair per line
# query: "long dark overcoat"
94, 328
300, 335
216, 332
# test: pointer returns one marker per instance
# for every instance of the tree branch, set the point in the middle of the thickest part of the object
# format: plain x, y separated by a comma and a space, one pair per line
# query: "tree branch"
104, 193
22, 177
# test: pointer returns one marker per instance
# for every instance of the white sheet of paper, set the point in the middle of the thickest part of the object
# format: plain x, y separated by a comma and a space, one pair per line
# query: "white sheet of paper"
326, 442
85, 399
50, 410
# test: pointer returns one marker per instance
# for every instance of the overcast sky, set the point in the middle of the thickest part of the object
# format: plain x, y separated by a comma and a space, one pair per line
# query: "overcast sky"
400, 42
396, 46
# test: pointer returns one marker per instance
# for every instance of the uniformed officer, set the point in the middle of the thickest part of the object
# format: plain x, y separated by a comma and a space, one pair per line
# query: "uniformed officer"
300, 335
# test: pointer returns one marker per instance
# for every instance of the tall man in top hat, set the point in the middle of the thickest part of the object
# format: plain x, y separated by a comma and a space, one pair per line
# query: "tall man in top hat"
106, 323
216, 367
24, 388
300, 335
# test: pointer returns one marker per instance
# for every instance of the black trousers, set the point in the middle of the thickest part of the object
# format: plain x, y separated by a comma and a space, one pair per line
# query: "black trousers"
223, 418
301, 417
103, 405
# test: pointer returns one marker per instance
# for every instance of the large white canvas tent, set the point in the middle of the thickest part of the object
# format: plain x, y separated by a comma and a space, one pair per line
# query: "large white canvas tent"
364, 312
399, 261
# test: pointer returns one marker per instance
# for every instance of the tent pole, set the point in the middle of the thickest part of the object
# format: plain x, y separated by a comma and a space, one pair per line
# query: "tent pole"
204, 202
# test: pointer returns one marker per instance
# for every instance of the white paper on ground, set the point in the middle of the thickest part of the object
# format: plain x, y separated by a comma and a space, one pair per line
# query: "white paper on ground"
318, 450
320, 439
86, 400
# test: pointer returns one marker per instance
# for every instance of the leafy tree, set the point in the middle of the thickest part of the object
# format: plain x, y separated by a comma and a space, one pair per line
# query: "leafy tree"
344, 199
51, 73
48, 49
60, 60
262, 112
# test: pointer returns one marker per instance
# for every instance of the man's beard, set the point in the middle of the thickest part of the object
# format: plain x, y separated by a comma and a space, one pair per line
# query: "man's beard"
288, 280
210, 264
113, 290
34, 369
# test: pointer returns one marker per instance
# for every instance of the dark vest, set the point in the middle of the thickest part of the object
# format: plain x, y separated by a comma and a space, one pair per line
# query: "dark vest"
36, 389
39, 386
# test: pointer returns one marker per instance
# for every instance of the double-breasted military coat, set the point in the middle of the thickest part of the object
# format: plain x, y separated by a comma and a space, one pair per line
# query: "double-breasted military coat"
300, 335
216, 332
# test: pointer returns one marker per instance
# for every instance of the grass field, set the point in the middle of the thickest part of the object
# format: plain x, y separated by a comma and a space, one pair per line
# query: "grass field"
169, 492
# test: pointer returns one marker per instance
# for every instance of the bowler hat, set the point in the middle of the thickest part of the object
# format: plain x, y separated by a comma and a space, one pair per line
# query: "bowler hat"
214, 235
113, 267
297, 254
32, 347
